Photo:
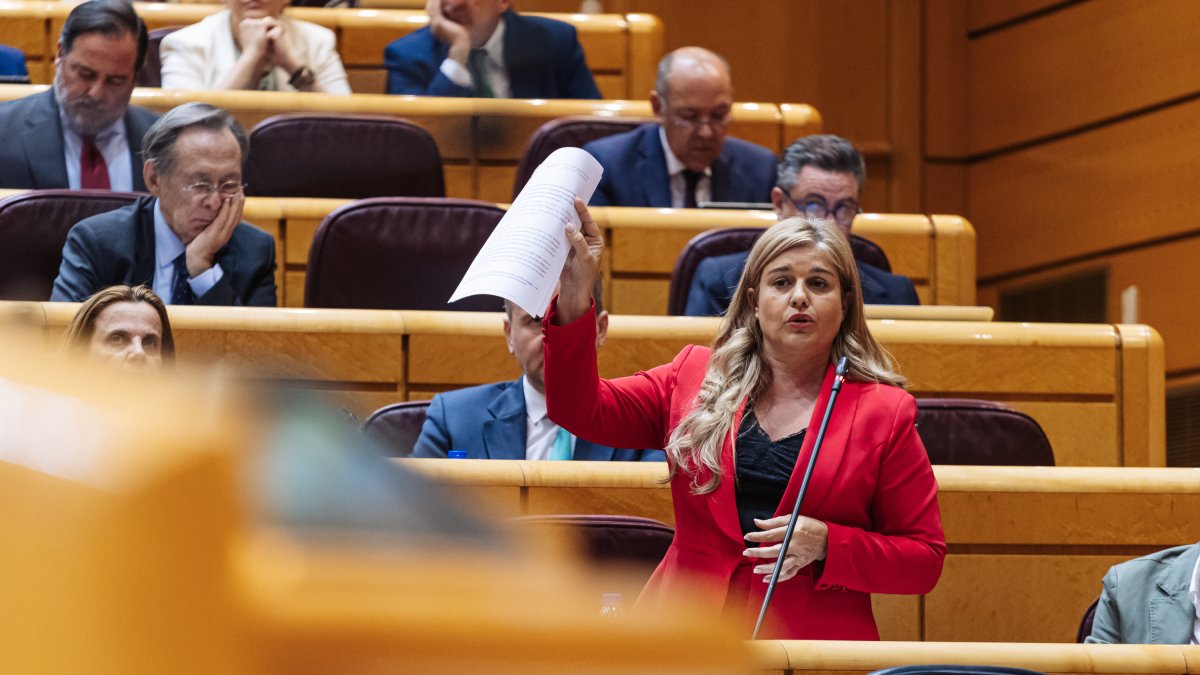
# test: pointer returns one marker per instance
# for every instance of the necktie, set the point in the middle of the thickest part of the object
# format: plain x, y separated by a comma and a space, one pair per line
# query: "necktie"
690, 180
477, 64
181, 292
562, 445
93, 171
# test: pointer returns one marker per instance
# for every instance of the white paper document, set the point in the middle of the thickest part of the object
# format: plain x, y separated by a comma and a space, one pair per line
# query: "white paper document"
523, 258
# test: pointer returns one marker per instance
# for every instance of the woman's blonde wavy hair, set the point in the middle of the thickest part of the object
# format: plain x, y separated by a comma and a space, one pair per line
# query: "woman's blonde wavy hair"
736, 368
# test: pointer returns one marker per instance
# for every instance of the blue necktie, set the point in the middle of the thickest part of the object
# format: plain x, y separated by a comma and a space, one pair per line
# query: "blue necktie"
181, 292
561, 450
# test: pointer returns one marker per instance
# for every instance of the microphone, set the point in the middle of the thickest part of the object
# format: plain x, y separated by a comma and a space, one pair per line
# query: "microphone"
839, 377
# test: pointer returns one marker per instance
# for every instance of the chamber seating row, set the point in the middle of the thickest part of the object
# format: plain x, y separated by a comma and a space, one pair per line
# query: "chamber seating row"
481, 141
622, 50
1109, 412
1026, 546
937, 252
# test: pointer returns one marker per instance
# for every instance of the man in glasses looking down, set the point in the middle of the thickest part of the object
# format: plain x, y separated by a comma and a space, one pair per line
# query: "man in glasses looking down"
186, 241
685, 159
820, 176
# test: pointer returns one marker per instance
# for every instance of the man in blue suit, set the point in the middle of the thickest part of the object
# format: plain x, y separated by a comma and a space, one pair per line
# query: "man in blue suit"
483, 48
820, 176
507, 420
685, 159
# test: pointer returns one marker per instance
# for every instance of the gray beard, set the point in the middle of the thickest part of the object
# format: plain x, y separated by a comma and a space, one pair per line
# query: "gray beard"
81, 123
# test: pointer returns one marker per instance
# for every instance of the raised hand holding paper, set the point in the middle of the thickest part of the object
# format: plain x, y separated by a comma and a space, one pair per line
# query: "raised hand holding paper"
522, 259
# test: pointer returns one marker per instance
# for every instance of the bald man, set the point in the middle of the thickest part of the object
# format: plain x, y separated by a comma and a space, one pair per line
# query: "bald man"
684, 159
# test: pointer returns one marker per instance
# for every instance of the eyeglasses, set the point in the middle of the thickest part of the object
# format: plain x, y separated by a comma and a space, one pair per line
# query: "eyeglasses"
203, 188
716, 121
842, 212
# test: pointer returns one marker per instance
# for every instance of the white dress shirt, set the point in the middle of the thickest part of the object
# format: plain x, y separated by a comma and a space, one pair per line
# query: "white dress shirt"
497, 76
540, 432
167, 248
675, 170
113, 146
1194, 594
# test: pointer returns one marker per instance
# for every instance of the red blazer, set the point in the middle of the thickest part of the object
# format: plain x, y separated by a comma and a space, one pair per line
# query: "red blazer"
873, 486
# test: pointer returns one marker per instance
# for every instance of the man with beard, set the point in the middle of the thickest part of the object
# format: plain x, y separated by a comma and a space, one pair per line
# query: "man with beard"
82, 134
685, 159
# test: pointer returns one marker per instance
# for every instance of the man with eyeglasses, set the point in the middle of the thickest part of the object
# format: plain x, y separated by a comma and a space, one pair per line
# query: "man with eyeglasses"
820, 176
685, 159
186, 241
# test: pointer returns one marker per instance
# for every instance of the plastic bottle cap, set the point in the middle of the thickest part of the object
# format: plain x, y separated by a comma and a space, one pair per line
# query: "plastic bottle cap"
457, 454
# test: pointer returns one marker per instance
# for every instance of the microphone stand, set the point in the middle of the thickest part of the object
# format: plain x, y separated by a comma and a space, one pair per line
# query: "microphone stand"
839, 378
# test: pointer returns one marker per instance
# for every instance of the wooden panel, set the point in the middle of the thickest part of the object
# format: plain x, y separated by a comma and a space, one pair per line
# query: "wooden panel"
1055, 589
25, 31
495, 183
639, 296
1163, 275
954, 265
460, 180
611, 85
645, 50
1039, 78
898, 616
367, 80
294, 289
983, 14
945, 77
1072, 428
1029, 207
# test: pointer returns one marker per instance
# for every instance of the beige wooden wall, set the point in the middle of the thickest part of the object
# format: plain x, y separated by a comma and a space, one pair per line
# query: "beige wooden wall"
858, 58
1069, 134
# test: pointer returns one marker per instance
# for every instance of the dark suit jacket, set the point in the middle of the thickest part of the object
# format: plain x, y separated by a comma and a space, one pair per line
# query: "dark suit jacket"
31, 155
1145, 601
118, 248
542, 56
635, 171
488, 421
716, 278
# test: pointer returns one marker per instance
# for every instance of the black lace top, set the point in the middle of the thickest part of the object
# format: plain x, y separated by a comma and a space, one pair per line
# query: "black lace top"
763, 469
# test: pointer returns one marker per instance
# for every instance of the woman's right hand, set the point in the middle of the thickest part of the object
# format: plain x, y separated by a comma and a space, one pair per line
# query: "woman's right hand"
581, 269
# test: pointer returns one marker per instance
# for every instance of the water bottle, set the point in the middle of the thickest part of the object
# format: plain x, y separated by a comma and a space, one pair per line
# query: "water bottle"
610, 605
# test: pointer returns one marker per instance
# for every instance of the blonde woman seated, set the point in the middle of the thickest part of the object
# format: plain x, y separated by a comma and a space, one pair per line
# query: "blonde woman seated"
738, 422
252, 46
126, 326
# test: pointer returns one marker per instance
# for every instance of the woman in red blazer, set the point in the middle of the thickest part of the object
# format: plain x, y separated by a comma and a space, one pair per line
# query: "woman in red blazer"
734, 419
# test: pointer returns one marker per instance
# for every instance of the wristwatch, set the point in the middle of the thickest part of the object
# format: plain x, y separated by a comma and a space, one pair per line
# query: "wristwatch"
302, 78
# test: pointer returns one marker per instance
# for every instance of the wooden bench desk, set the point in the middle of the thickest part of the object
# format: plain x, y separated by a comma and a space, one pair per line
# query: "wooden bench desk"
1027, 545
622, 50
937, 252
481, 141
1096, 389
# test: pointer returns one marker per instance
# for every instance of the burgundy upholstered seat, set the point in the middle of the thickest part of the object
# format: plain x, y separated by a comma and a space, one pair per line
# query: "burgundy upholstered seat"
715, 243
399, 253
397, 427
630, 540
567, 132
150, 74
342, 157
983, 433
33, 229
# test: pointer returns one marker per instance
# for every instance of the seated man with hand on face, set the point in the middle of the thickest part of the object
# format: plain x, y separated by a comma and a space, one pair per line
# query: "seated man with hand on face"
820, 176
484, 49
186, 241
507, 420
686, 158
82, 133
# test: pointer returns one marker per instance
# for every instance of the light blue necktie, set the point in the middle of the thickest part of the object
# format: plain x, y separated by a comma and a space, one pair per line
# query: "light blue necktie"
562, 445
